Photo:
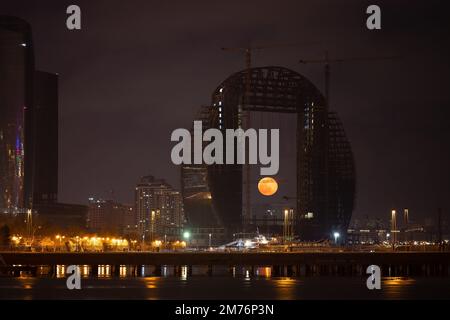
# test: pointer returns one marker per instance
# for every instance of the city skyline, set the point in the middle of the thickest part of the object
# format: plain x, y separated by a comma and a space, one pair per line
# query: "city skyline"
384, 181
235, 158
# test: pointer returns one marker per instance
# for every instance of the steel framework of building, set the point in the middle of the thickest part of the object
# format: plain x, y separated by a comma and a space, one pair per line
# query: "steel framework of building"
194, 186
325, 166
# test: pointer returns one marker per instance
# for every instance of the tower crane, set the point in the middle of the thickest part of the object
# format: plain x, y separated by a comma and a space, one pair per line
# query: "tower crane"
327, 61
248, 59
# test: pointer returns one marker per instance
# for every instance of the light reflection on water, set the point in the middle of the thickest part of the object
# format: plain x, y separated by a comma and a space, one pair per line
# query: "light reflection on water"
84, 271
151, 282
104, 271
264, 272
398, 286
184, 272
239, 282
285, 288
60, 271
123, 271
247, 286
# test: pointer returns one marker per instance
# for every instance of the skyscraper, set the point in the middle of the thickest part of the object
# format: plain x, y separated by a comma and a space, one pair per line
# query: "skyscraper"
43, 156
29, 132
46, 138
16, 105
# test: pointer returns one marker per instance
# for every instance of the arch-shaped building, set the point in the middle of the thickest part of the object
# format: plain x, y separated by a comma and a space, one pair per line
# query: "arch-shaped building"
325, 166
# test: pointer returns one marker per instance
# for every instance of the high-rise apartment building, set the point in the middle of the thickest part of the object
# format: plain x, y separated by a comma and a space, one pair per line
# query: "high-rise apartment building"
159, 209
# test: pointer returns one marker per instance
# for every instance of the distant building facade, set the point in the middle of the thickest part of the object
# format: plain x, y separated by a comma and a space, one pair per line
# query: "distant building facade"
108, 216
62, 217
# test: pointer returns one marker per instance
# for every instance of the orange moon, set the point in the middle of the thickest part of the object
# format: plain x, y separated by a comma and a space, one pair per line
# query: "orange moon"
267, 186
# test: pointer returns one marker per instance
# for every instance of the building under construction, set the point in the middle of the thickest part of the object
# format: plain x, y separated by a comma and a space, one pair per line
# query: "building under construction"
213, 195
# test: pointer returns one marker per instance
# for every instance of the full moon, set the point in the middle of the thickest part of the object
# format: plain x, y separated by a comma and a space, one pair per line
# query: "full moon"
267, 186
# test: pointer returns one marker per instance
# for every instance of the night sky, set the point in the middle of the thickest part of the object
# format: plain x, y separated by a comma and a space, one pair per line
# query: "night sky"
139, 69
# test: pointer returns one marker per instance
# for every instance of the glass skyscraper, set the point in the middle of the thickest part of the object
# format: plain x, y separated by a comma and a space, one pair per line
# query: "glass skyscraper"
16, 101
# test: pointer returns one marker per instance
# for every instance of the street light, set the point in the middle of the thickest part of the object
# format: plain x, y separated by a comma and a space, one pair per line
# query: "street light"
186, 235
78, 243
287, 225
30, 223
336, 236
58, 237
152, 229
394, 226
210, 240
